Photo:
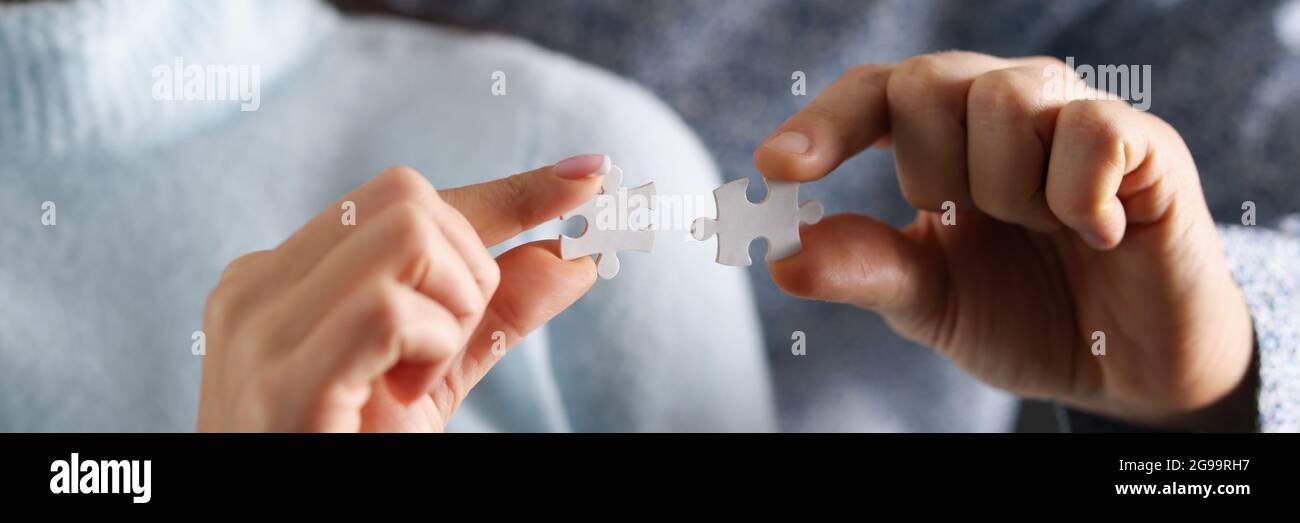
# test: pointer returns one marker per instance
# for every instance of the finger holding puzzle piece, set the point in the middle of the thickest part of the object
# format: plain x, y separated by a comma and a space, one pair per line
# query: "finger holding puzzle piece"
610, 226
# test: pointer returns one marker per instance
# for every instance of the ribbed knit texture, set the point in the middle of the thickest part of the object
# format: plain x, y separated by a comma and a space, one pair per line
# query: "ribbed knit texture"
77, 75
154, 198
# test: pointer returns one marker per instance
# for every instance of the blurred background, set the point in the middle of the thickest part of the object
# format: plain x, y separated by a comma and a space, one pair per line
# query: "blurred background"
1224, 74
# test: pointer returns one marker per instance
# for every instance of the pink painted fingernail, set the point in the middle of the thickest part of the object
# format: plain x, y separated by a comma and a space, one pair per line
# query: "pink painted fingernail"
791, 142
582, 166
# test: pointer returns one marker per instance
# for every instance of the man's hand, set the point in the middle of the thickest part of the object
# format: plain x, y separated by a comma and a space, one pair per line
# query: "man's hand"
1073, 217
387, 324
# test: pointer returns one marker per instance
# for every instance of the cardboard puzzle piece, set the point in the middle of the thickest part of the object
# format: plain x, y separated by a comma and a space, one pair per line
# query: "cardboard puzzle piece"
610, 226
739, 222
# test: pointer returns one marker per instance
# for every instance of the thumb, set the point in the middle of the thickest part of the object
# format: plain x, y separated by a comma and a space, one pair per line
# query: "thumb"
501, 209
853, 259
536, 285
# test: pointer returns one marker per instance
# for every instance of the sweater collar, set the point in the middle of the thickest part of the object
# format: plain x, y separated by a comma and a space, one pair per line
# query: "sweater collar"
100, 74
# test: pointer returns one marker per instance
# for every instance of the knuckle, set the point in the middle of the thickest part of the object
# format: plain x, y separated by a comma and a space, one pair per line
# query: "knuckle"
1093, 123
1163, 128
920, 195
385, 315
917, 80
1003, 203
867, 75
917, 200
514, 192
221, 304
513, 188
1003, 96
958, 55
491, 277
451, 338
471, 300
821, 116
412, 233
392, 325
988, 198
1047, 61
405, 182
409, 224
244, 264
1073, 205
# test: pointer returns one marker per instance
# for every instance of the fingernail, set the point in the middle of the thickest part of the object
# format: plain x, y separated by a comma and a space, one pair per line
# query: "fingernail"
582, 166
790, 142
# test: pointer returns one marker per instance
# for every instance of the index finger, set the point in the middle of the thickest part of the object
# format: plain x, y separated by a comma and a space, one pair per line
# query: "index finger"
501, 209
497, 210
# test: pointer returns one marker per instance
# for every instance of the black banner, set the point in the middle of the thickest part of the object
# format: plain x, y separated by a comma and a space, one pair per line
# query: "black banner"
140, 472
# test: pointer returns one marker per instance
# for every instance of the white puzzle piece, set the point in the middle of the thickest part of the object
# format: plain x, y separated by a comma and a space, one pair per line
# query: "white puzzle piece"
605, 235
739, 222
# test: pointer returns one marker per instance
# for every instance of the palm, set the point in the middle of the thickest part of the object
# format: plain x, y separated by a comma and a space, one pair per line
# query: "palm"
1022, 308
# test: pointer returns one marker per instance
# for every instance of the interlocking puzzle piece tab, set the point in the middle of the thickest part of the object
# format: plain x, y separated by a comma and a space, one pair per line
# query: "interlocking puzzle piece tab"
610, 224
739, 222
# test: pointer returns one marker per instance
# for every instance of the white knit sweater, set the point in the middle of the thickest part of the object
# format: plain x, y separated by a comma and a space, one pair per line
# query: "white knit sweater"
153, 198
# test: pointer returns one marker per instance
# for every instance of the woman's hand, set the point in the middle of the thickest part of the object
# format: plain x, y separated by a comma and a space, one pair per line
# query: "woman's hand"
387, 324
1074, 219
